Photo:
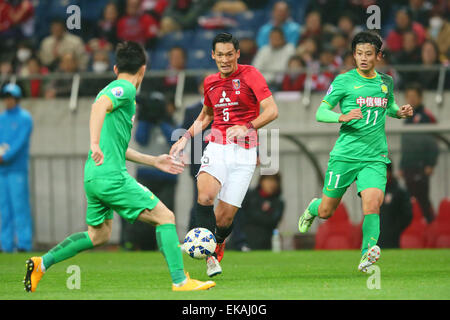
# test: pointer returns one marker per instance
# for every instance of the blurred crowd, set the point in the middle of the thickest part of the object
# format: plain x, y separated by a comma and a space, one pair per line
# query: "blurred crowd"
281, 38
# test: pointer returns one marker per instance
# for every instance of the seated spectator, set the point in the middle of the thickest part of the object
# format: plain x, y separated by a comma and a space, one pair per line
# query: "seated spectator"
309, 50
61, 87
419, 152
439, 32
248, 50
281, 18
410, 53
330, 10
154, 8
346, 25
348, 62
404, 23
262, 210
183, 14
137, 26
294, 78
16, 22
6, 70
420, 11
395, 212
33, 87
106, 29
340, 44
430, 57
60, 43
272, 59
328, 66
100, 64
237, 6
313, 27
23, 53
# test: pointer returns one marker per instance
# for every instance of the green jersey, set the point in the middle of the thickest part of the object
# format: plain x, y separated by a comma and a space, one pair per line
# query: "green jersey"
362, 139
116, 132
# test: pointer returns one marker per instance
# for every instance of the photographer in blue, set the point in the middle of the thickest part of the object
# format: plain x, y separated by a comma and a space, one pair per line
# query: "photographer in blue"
16, 126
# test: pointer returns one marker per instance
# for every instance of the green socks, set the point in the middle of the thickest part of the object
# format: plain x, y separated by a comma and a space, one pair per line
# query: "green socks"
167, 238
72, 245
371, 231
314, 207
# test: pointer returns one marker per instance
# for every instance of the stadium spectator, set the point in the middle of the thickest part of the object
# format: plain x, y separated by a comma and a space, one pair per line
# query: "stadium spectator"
419, 152
153, 134
309, 50
420, 11
183, 14
6, 70
395, 212
294, 78
404, 23
59, 43
154, 7
439, 32
237, 6
430, 57
16, 126
328, 65
313, 27
177, 63
190, 114
137, 26
346, 25
23, 53
281, 18
272, 59
348, 62
33, 87
410, 53
248, 50
62, 86
262, 211
340, 44
106, 29
16, 22
330, 10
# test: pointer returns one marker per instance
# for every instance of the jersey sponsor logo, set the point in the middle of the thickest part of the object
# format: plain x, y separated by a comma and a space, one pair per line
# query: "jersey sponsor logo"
372, 102
236, 84
330, 89
117, 91
225, 101
357, 87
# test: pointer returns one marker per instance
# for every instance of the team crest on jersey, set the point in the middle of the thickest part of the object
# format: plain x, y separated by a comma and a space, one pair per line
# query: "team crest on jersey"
117, 91
384, 88
236, 84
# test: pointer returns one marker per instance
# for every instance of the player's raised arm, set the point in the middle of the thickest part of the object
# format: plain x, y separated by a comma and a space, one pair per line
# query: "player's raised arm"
201, 123
98, 113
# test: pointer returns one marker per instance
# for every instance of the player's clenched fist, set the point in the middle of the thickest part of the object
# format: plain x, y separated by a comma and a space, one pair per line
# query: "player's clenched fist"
405, 111
353, 114
97, 154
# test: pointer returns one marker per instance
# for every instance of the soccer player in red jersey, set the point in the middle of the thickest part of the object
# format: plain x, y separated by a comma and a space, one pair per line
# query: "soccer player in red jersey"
233, 98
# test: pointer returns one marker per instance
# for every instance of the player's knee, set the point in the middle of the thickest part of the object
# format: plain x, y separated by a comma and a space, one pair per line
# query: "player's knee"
325, 212
99, 238
205, 199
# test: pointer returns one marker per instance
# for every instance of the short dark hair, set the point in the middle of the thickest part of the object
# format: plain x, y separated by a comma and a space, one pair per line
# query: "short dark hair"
367, 37
279, 30
225, 37
415, 86
130, 57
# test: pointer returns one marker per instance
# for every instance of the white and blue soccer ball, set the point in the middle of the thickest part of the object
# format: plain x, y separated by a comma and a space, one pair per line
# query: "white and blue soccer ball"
199, 243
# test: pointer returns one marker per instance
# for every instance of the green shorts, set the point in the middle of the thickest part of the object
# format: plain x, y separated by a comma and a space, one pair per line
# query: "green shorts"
124, 195
341, 174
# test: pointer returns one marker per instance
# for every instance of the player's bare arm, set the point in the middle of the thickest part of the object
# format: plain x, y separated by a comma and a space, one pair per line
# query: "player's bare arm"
201, 123
270, 113
162, 162
98, 113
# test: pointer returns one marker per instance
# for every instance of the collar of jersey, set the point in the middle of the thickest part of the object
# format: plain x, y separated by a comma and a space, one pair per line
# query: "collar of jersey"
376, 74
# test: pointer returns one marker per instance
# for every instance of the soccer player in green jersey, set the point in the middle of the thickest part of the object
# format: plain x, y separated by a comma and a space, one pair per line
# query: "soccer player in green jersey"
108, 185
361, 152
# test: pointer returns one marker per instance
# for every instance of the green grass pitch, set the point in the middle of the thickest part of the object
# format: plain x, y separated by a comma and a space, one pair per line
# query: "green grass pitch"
289, 275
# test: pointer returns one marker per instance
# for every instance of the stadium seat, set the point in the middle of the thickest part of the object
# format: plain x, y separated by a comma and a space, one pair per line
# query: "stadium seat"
438, 232
252, 20
414, 235
158, 59
337, 233
176, 39
203, 39
200, 59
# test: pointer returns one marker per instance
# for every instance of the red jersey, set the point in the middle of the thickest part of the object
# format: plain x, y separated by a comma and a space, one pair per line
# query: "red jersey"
235, 101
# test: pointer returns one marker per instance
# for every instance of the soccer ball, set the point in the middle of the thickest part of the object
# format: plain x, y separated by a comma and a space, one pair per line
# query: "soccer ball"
199, 243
